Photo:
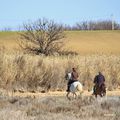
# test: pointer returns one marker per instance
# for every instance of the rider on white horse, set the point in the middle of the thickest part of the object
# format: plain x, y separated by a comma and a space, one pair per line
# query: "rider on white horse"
72, 77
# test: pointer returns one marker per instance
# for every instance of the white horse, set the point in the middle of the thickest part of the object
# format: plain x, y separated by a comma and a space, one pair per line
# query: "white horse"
74, 87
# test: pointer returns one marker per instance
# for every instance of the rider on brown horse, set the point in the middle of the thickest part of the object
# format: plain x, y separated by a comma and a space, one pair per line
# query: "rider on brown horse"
99, 80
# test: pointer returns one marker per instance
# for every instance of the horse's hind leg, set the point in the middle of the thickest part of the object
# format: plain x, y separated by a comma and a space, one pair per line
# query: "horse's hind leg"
68, 95
75, 95
101, 95
96, 95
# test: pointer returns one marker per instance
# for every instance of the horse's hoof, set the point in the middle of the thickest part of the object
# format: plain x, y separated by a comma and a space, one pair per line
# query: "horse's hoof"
69, 99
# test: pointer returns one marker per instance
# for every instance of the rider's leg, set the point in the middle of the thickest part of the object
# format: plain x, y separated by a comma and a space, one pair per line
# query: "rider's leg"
94, 88
68, 86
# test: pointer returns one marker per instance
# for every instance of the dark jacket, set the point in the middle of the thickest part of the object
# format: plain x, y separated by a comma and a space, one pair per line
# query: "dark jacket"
99, 79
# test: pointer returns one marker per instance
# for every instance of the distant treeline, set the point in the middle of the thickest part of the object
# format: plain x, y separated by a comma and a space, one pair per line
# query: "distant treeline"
92, 25
85, 25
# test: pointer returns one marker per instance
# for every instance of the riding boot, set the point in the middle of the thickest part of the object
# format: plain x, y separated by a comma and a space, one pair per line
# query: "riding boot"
94, 89
68, 88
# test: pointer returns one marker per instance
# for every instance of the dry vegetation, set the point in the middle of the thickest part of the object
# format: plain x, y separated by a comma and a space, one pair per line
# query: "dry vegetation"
25, 72
52, 108
38, 73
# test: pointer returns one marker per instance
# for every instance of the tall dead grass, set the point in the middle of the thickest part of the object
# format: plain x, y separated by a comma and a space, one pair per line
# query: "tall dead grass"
29, 72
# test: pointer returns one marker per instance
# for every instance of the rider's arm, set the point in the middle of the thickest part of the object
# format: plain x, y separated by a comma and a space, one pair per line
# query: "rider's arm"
77, 75
104, 78
95, 79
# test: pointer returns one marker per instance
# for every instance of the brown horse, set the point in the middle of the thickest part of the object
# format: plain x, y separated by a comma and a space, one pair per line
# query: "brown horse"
100, 90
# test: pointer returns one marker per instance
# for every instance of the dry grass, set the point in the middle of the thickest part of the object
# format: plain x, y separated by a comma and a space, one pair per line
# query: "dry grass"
38, 73
52, 108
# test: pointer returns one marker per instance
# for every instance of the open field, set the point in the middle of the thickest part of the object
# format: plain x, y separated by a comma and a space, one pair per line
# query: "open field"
83, 42
9, 40
54, 105
87, 42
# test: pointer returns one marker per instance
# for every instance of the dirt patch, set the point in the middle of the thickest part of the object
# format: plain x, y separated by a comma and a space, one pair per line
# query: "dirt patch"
57, 93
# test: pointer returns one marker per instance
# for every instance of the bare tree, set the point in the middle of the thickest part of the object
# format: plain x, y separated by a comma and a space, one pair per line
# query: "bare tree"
42, 37
7, 29
96, 25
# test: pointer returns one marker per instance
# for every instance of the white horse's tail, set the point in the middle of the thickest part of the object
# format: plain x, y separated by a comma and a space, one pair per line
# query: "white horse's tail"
79, 87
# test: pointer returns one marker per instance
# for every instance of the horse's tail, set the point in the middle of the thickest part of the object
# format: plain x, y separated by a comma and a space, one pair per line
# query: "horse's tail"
79, 88
103, 88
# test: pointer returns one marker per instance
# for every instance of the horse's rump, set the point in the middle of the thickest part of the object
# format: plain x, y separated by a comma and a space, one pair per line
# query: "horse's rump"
103, 88
100, 89
76, 86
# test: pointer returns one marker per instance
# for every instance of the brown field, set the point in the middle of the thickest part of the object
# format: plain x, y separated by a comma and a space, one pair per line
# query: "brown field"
83, 42
94, 41
9, 40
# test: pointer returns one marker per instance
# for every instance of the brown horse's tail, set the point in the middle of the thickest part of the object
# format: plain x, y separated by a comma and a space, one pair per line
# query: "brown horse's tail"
103, 87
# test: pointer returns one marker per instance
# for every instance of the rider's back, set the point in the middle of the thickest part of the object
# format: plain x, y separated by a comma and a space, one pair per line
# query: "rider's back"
74, 75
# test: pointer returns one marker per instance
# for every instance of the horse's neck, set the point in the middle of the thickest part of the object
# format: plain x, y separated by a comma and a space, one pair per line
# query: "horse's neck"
69, 76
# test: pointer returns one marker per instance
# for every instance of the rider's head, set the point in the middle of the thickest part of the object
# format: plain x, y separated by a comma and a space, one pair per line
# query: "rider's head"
99, 73
74, 69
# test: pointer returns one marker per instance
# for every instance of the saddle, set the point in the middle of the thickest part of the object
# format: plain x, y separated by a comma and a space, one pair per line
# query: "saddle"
69, 84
